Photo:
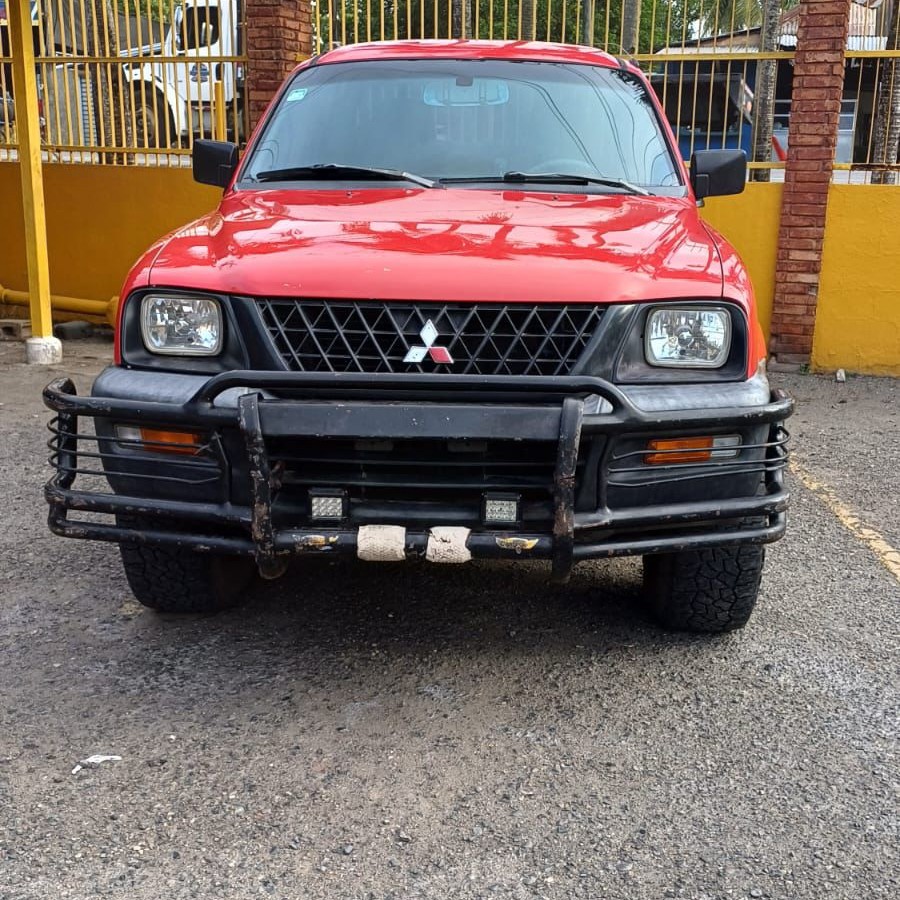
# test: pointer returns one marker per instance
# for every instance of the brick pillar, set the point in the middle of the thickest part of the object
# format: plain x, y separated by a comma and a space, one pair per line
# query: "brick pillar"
278, 34
815, 107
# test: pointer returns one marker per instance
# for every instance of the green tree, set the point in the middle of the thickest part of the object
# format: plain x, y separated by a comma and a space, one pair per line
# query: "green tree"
726, 16
657, 23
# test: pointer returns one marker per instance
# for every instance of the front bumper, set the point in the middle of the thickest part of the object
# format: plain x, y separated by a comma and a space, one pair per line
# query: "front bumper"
241, 493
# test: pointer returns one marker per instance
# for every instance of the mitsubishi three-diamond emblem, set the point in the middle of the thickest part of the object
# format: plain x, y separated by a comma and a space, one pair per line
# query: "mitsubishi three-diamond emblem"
428, 334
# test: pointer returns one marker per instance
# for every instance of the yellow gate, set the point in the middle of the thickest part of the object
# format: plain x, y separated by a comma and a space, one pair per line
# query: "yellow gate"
132, 82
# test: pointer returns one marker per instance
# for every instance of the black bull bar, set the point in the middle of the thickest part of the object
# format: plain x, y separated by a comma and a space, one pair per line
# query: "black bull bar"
398, 406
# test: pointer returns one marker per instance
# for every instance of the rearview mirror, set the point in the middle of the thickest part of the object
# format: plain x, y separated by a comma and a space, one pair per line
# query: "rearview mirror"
214, 162
474, 92
715, 173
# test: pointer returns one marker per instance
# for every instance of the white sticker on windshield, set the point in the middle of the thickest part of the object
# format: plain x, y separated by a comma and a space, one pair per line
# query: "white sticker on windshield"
297, 94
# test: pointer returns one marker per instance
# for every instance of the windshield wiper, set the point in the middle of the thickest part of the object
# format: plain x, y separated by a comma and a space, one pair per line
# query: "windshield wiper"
334, 171
550, 178
565, 178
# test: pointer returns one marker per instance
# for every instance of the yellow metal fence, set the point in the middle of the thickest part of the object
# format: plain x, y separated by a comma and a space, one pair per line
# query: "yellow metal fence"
131, 81
703, 56
136, 81
722, 68
871, 114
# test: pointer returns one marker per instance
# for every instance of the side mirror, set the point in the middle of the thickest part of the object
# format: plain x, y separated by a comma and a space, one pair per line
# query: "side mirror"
178, 27
214, 162
715, 173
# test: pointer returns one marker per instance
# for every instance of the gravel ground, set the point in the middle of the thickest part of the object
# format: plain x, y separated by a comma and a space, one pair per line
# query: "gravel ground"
405, 732
846, 436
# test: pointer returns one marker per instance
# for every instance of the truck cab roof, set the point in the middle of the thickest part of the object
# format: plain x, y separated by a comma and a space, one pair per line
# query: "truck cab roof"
535, 51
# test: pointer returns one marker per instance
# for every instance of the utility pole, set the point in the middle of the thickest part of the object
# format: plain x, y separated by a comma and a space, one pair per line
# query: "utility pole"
460, 19
527, 15
587, 22
631, 26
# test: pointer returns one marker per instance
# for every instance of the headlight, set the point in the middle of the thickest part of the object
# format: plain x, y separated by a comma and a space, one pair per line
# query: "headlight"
688, 337
181, 326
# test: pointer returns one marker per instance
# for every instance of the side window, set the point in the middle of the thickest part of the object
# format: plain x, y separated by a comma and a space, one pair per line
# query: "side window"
201, 27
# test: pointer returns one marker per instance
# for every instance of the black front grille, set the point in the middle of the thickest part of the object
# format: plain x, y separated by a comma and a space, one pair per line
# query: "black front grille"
434, 464
401, 481
481, 338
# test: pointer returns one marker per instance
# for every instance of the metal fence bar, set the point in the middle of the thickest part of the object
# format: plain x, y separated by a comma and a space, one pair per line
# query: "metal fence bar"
702, 59
126, 82
127, 89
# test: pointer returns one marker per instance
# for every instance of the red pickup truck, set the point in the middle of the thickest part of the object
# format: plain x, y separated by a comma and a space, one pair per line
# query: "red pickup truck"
456, 301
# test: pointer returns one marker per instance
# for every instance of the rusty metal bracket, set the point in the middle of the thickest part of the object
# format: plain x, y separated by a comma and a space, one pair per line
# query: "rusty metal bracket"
270, 564
67, 448
570, 421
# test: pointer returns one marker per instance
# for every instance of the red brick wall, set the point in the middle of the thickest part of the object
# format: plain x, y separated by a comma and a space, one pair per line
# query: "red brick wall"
815, 107
278, 35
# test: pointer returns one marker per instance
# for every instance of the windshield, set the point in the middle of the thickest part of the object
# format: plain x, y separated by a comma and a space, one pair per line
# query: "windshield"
464, 119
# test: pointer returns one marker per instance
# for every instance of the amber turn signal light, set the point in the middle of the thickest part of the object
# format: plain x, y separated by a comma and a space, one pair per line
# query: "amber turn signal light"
158, 440
171, 441
691, 449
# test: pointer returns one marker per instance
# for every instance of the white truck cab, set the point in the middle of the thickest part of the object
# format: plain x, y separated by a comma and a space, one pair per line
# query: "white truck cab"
178, 93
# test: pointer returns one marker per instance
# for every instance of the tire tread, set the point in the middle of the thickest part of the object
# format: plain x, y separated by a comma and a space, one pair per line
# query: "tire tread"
712, 590
181, 580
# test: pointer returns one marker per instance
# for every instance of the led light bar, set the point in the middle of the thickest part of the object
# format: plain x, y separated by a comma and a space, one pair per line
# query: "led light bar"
500, 509
327, 504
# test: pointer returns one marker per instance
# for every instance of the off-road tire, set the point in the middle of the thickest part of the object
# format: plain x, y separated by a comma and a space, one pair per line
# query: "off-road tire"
180, 580
711, 591
154, 127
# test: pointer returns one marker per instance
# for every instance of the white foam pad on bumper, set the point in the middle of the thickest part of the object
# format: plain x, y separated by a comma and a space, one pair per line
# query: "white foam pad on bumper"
448, 545
381, 543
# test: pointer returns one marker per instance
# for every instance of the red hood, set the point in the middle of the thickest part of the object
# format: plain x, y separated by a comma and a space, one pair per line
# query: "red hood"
448, 245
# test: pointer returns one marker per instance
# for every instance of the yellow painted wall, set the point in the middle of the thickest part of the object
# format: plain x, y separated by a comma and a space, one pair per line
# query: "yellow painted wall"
99, 220
750, 222
858, 317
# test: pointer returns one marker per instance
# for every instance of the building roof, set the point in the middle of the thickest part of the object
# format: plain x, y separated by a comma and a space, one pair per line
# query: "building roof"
862, 35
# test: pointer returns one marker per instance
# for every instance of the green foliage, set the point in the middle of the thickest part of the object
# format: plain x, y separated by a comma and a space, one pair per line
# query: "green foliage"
152, 10
726, 16
662, 22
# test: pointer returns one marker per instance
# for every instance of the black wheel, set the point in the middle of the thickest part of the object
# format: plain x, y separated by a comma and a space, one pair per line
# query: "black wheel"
180, 580
153, 125
712, 590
